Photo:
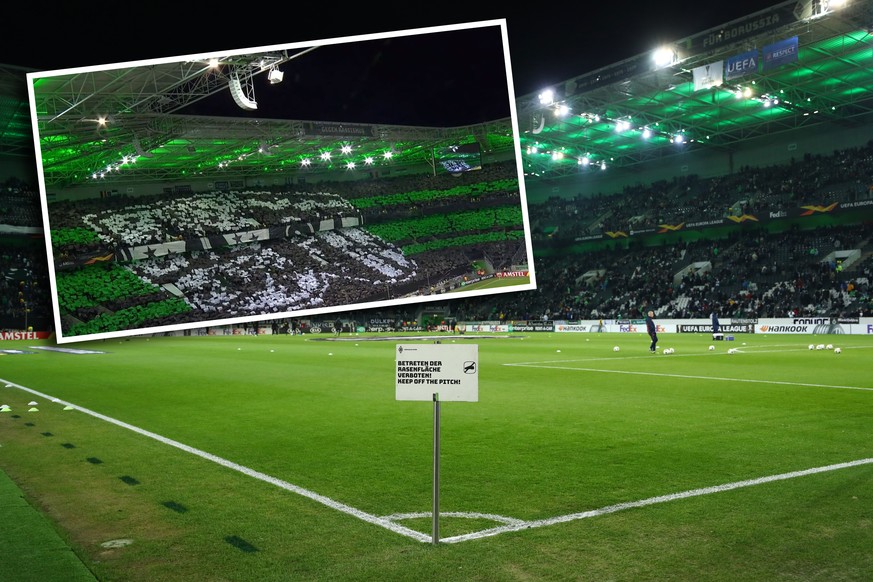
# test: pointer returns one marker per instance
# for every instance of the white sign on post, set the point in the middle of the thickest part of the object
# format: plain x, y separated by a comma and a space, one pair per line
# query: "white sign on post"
452, 371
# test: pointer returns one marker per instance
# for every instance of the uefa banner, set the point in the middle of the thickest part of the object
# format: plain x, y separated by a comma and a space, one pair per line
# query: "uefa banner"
796, 325
722, 328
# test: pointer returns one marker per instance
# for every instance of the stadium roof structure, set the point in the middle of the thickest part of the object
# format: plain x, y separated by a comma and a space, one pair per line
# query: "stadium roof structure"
631, 112
598, 117
16, 133
127, 124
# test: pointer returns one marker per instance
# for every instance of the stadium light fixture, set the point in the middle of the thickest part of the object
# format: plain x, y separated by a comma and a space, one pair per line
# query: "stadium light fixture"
275, 75
664, 56
547, 97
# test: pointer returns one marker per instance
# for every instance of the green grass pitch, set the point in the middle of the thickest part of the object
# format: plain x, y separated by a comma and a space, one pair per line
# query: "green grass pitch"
281, 457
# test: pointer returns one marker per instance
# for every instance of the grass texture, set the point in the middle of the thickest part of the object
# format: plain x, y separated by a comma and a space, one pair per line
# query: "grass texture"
285, 458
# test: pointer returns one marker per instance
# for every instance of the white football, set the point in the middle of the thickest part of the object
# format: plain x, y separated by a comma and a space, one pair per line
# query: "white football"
711, 348
731, 351
615, 349
819, 347
830, 346
812, 347
837, 350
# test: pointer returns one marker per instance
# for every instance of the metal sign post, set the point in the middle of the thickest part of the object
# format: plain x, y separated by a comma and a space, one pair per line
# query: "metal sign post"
454, 370
436, 469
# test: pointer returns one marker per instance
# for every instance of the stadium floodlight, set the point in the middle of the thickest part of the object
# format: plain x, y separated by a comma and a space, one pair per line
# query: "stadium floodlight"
664, 56
243, 96
547, 97
275, 75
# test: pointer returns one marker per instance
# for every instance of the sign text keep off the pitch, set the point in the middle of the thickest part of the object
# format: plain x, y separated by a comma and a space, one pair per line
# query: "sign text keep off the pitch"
452, 371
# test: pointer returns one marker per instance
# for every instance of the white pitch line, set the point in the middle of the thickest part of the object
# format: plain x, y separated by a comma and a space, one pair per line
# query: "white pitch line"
652, 501
742, 349
512, 524
691, 377
382, 522
462, 514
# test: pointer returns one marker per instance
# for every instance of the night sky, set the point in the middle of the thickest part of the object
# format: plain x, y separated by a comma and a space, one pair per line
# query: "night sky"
436, 79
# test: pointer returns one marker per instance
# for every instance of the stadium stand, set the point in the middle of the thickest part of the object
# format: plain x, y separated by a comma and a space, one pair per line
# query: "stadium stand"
134, 262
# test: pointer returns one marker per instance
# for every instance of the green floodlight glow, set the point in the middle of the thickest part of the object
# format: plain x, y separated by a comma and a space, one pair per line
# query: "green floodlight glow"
854, 92
627, 147
862, 77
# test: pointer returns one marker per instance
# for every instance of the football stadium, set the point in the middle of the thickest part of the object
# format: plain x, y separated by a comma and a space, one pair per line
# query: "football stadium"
459, 426
273, 216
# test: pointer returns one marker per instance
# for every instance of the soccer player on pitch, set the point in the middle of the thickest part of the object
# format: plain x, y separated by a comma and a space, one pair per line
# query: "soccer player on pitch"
652, 330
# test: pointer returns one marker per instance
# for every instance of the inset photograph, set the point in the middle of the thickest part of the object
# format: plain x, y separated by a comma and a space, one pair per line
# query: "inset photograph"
281, 181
